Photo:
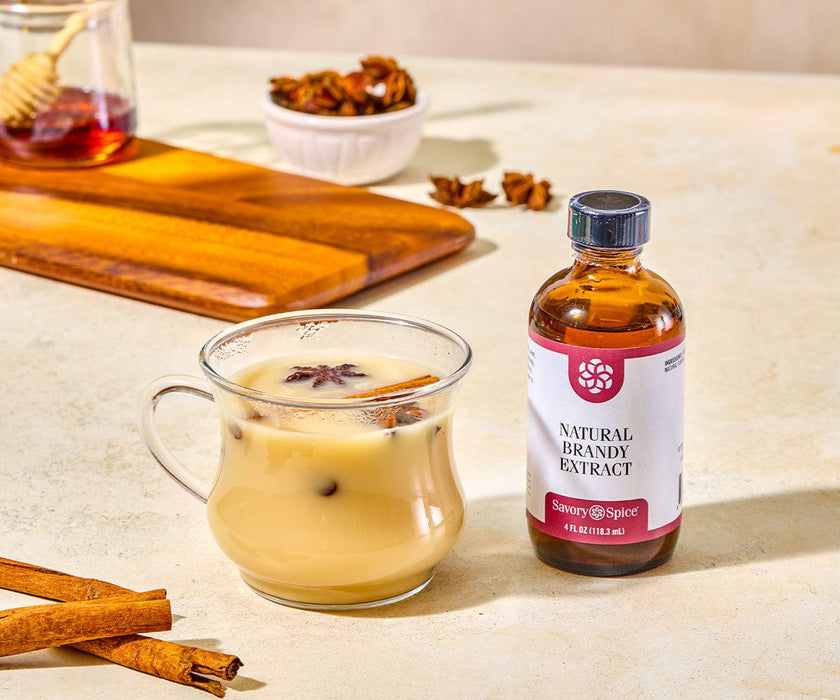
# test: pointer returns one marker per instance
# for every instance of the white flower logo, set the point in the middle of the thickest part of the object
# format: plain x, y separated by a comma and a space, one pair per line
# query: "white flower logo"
597, 512
595, 376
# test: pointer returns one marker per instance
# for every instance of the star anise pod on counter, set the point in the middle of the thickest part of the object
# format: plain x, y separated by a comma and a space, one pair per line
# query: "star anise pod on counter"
322, 374
454, 193
523, 189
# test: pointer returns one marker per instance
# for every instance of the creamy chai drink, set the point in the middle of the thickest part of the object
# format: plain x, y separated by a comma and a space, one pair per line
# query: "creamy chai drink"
335, 505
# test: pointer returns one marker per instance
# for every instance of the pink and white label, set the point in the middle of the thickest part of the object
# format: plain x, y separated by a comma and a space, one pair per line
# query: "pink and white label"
605, 434
594, 522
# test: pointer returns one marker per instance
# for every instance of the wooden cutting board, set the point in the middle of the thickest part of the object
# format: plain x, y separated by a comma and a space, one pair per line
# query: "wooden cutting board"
214, 236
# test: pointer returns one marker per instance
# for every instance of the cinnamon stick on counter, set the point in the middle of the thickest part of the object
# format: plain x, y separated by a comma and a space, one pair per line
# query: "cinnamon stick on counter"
168, 660
407, 385
53, 585
42, 626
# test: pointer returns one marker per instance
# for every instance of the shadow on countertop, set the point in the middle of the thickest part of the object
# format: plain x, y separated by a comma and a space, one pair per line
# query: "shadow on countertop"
762, 528
446, 157
493, 559
248, 141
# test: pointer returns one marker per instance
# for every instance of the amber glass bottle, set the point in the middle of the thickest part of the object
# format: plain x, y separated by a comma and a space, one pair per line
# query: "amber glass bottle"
606, 351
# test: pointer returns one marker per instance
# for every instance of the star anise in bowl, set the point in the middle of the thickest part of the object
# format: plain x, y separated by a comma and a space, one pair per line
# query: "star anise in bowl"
353, 129
381, 85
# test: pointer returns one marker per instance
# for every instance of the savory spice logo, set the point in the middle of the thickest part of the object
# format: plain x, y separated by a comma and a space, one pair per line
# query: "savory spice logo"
595, 376
593, 379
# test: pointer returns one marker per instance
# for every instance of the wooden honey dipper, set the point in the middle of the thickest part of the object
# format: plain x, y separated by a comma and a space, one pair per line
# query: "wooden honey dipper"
30, 85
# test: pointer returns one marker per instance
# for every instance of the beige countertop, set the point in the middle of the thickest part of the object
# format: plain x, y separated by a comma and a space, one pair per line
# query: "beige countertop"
742, 170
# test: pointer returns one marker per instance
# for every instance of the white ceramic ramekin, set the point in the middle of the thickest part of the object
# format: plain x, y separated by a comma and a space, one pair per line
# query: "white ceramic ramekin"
347, 150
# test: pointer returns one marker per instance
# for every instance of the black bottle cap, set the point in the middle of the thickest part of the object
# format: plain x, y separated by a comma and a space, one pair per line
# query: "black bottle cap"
609, 219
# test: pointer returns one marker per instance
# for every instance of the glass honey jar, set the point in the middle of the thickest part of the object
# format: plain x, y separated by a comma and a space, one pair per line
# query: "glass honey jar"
67, 83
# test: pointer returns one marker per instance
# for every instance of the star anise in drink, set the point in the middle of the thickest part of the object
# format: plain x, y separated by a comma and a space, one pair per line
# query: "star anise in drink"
454, 193
524, 189
322, 374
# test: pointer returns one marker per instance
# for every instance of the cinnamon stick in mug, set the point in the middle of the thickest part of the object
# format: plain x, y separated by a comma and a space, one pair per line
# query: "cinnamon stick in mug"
407, 385
42, 626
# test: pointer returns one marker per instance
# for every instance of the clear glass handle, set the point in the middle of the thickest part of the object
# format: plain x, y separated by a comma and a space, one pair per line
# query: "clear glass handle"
151, 438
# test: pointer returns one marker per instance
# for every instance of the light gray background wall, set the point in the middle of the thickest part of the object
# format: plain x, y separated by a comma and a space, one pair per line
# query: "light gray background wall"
783, 35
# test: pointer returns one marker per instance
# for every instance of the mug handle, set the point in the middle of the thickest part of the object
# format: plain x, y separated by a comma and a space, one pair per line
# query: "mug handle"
151, 438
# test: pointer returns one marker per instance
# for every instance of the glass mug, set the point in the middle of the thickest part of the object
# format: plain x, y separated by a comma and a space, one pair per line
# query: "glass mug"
326, 502
67, 87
